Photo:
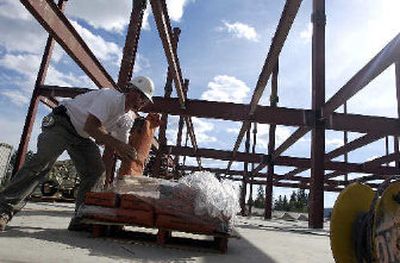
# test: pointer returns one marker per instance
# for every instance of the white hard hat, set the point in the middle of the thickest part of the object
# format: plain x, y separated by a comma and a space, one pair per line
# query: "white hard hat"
145, 85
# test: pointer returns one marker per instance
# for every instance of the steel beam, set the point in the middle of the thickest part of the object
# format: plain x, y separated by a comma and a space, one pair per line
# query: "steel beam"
316, 199
164, 28
281, 160
285, 23
33, 104
59, 27
49, 102
180, 124
131, 43
386, 57
299, 133
271, 146
353, 145
379, 126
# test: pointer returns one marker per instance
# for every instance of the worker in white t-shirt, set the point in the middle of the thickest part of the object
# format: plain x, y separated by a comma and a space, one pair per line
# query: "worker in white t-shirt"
78, 126
121, 131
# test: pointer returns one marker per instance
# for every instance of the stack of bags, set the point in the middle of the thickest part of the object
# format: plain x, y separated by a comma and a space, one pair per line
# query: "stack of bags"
197, 203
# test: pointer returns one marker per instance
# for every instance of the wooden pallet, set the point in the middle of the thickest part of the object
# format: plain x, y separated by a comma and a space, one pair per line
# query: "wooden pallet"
164, 236
116, 211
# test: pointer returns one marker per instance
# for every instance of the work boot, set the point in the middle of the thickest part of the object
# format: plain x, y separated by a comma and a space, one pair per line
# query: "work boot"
4, 219
76, 225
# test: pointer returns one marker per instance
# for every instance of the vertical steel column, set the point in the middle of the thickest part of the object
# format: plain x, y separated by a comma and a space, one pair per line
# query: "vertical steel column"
387, 148
162, 139
34, 102
245, 174
316, 200
397, 79
131, 43
180, 124
345, 141
125, 70
271, 146
251, 201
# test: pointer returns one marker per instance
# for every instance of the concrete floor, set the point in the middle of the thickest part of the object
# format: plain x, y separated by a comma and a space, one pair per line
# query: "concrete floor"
38, 234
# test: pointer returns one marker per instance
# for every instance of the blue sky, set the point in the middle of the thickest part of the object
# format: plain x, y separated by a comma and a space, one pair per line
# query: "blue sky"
222, 49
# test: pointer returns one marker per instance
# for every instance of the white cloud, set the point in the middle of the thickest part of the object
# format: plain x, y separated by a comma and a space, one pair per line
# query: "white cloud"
281, 134
201, 129
16, 97
233, 130
114, 16
21, 35
240, 30
27, 65
334, 142
111, 16
226, 88
306, 34
24, 64
176, 8
102, 49
14, 9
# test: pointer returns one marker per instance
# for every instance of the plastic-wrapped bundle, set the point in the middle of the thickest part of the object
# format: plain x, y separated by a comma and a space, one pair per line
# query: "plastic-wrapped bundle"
213, 198
197, 203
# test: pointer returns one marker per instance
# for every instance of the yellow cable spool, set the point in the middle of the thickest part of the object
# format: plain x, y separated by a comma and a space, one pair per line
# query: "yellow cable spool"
386, 233
352, 202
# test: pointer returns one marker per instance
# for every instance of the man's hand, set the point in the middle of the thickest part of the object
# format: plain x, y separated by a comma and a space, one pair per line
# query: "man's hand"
126, 152
94, 128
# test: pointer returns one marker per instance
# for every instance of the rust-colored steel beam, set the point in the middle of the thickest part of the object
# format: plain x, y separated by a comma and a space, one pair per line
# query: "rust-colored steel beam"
299, 133
264, 114
382, 160
127, 63
281, 160
397, 77
131, 43
386, 57
164, 28
180, 124
345, 142
162, 138
285, 23
64, 92
363, 124
59, 27
49, 101
316, 199
271, 146
355, 144
293, 185
33, 104
245, 176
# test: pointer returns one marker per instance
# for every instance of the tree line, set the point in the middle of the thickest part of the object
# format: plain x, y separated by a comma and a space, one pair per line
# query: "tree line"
296, 202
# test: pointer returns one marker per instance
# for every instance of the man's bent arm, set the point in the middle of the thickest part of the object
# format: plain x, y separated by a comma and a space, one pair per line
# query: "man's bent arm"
96, 130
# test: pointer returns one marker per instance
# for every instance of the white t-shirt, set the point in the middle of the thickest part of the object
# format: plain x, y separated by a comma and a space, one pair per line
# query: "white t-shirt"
107, 105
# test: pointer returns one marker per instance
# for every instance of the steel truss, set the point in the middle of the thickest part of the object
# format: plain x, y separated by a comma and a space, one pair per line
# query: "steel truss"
321, 117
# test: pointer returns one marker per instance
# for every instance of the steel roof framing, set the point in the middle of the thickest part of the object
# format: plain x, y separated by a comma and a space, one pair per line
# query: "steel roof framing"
321, 117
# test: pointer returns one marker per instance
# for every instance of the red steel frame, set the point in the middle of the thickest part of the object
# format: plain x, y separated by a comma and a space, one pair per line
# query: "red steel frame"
322, 115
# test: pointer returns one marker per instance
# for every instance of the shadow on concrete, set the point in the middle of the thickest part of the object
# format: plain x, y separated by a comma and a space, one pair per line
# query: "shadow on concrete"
142, 247
285, 228
59, 213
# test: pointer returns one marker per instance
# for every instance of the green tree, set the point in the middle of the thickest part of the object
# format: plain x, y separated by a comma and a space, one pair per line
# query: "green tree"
260, 199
